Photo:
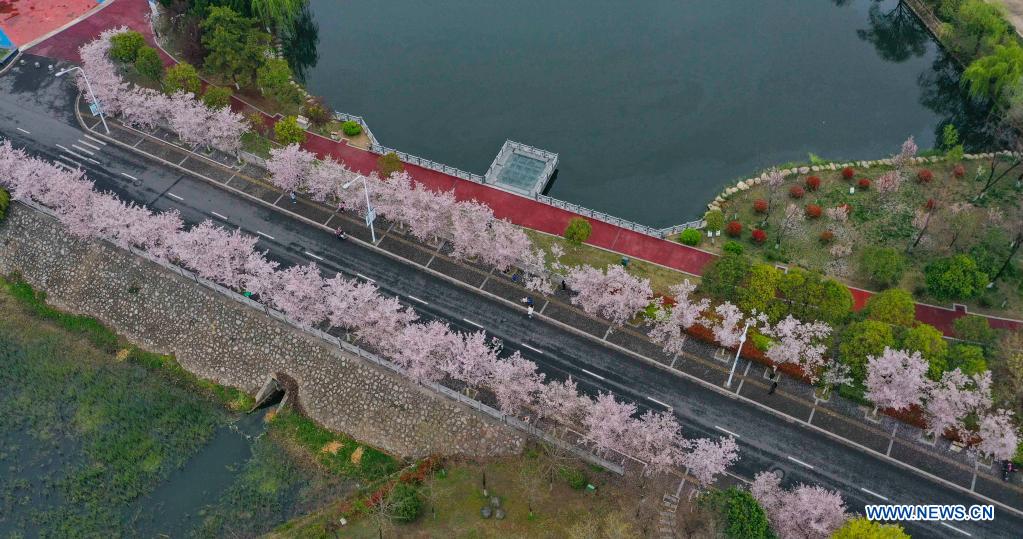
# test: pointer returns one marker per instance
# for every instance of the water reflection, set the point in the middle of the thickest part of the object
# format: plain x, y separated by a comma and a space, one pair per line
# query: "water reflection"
300, 42
941, 91
896, 34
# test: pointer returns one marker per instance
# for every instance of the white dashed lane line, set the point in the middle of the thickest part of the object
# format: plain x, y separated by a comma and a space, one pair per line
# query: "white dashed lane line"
313, 256
467, 321
176, 197
659, 402
363, 277
801, 463
83, 143
83, 150
413, 298
872, 493
595, 375
265, 235
524, 345
726, 431
23, 131
97, 141
218, 215
132, 178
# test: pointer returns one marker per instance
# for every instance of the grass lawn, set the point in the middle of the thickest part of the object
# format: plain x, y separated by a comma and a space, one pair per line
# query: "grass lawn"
960, 223
661, 277
452, 499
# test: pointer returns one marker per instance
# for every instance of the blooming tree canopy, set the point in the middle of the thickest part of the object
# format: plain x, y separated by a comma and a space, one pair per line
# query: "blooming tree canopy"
799, 343
612, 293
805, 512
729, 326
708, 458
955, 397
670, 323
515, 382
290, 166
998, 436
896, 379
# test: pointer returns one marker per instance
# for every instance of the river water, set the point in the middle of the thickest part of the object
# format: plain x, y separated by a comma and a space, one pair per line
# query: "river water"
653, 105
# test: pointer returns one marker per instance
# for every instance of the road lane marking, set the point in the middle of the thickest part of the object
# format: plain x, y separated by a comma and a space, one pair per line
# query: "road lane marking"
872, 493
97, 141
659, 402
81, 149
595, 375
365, 278
83, 143
467, 321
797, 461
966, 533
314, 256
23, 131
72, 152
126, 175
726, 431
413, 298
264, 234
69, 160
524, 345
172, 195
218, 215
65, 166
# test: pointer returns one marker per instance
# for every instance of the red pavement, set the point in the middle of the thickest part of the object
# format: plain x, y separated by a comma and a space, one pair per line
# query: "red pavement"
27, 20
519, 210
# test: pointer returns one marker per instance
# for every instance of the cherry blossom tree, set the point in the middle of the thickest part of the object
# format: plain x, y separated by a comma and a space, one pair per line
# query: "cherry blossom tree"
612, 293
300, 294
382, 320
708, 458
562, 402
773, 181
805, 512
955, 397
189, 120
799, 343
434, 211
289, 167
346, 300
215, 253
889, 182
670, 323
470, 221
896, 379
225, 128
835, 374
259, 275
906, 153
420, 349
471, 360
998, 437
839, 214
729, 325
655, 438
792, 217
515, 382
608, 423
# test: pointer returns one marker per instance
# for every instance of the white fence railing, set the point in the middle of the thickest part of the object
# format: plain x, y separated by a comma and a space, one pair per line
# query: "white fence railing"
426, 163
514, 422
345, 117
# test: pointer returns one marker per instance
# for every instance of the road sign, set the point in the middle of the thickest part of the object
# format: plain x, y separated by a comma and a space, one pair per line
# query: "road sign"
371, 214
95, 109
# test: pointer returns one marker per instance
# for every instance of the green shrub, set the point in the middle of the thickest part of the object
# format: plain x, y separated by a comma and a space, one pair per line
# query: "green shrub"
691, 237
759, 288
733, 247
148, 64
761, 342
893, 306
406, 502
351, 128
274, 81
577, 231
956, 277
968, 358
882, 266
931, 344
287, 131
181, 77
316, 112
976, 329
723, 276
715, 220
862, 339
861, 528
217, 97
574, 477
742, 515
124, 47
389, 164
808, 295
5, 204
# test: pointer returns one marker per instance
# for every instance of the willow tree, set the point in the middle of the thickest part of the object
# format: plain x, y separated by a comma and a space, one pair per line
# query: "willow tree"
989, 77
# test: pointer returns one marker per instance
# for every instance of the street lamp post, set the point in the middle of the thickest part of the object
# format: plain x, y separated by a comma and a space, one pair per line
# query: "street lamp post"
370, 216
742, 340
99, 106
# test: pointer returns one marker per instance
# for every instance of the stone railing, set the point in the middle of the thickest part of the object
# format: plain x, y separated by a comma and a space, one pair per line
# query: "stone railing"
345, 117
426, 163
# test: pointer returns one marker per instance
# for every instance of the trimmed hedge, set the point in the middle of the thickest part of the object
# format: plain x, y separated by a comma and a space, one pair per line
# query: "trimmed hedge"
5, 204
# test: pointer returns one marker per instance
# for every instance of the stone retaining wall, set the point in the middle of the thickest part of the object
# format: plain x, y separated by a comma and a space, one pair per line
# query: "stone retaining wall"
216, 338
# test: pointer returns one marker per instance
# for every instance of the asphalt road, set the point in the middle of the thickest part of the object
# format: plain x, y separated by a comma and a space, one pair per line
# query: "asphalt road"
37, 113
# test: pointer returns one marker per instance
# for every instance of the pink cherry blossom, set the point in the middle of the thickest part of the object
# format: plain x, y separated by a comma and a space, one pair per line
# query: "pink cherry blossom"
708, 458
420, 349
289, 167
729, 326
515, 382
655, 438
999, 438
896, 379
608, 423
955, 397
471, 360
299, 294
799, 343
805, 512
612, 293
671, 323
562, 402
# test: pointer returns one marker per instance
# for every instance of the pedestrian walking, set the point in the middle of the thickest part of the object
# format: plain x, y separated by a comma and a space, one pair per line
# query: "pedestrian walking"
564, 285
294, 199
529, 311
529, 300
774, 385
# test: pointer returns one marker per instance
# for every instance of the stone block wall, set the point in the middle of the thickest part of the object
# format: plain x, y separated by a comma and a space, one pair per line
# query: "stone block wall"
222, 340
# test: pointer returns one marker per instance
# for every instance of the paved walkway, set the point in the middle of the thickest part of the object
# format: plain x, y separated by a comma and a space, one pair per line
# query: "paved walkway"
25, 21
522, 211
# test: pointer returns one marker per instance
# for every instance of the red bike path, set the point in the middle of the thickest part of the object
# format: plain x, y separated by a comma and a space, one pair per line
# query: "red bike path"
520, 210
